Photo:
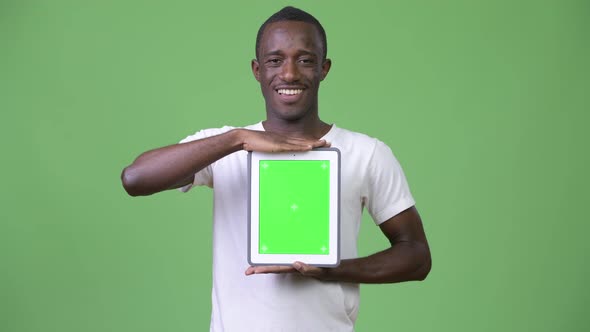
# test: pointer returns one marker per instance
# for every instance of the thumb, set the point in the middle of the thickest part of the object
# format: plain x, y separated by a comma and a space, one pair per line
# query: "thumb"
302, 268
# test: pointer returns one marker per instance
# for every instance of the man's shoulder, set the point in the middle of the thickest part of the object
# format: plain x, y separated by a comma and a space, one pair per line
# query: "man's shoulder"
360, 143
348, 136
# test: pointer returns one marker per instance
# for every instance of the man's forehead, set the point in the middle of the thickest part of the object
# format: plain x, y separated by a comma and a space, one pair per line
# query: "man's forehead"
285, 33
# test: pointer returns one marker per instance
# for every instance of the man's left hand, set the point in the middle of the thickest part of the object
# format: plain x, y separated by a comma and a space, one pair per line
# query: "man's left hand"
297, 267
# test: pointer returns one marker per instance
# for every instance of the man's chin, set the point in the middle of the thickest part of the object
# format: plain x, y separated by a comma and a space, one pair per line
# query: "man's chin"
290, 113
293, 116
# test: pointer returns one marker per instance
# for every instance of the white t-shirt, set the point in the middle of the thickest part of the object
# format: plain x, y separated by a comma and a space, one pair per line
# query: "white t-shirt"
371, 177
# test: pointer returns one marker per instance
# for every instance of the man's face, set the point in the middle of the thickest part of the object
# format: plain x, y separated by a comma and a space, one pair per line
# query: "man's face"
289, 68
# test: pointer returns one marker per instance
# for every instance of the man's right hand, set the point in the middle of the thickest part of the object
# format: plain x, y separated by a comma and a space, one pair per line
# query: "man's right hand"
264, 141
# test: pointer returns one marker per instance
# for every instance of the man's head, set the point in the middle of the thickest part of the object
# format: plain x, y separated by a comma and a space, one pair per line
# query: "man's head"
290, 63
293, 14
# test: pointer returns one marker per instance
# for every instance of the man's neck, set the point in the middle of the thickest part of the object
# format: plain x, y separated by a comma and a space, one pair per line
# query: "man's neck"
302, 128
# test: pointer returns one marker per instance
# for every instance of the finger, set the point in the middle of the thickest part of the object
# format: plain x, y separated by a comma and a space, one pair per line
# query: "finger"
269, 269
302, 267
319, 143
296, 147
307, 270
308, 143
295, 144
275, 269
299, 141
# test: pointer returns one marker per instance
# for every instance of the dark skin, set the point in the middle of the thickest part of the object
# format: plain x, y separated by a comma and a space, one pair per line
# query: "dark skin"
289, 68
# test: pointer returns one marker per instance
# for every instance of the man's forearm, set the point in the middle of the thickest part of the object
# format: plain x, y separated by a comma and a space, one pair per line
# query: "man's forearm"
404, 261
175, 165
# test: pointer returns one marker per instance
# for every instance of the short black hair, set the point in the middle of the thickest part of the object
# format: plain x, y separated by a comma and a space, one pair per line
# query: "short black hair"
293, 14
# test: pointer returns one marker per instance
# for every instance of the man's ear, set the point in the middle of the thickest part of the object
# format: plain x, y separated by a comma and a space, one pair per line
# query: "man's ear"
256, 69
326, 68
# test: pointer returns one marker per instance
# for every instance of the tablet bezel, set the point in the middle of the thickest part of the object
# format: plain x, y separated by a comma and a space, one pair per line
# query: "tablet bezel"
330, 260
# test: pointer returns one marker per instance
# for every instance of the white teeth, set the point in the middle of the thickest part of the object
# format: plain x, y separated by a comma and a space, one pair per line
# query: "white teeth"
289, 91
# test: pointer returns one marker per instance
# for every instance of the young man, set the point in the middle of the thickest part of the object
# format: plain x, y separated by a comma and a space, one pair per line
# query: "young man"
290, 63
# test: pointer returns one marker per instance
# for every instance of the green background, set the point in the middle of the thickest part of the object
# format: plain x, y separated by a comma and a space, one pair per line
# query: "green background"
294, 207
483, 102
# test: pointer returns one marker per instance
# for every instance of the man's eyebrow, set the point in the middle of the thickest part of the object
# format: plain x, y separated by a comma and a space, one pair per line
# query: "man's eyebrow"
306, 52
279, 52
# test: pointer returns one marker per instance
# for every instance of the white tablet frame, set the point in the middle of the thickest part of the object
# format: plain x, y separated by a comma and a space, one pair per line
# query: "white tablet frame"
330, 260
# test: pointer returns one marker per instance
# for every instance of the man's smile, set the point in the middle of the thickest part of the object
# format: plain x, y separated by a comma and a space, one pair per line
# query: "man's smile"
289, 95
289, 91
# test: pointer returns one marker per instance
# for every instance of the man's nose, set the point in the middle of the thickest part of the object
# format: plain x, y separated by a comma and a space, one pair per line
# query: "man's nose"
290, 72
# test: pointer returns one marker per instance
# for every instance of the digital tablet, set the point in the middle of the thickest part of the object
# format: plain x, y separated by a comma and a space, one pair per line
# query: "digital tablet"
294, 208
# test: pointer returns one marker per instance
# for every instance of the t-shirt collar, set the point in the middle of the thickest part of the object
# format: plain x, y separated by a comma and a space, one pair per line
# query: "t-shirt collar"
328, 136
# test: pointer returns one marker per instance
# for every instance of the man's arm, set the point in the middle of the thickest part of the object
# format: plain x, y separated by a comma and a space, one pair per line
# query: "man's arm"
408, 257
175, 165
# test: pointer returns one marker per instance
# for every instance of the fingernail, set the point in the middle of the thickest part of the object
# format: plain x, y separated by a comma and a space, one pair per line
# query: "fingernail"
297, 265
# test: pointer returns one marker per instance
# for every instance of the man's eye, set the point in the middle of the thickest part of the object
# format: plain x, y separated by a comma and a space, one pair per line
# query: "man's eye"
306, 61
273, 61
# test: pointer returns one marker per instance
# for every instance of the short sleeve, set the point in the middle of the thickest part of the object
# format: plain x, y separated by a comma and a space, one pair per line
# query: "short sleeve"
203, 177
387, 192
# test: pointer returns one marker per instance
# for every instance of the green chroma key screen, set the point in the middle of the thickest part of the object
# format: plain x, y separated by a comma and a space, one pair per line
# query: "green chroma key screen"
294, 207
